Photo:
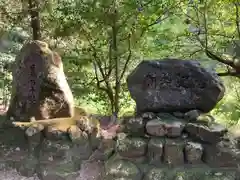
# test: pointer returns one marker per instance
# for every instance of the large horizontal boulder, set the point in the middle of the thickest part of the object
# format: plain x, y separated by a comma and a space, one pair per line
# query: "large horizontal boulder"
171, 85
39, 88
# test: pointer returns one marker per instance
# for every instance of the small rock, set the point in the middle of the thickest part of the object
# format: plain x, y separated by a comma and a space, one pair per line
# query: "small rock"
193, 152
76, 134
79, 152
155, 174
34, 141
94, 141
223, 154
91, 170
178, 114
32, 130
136, 160
192, 115
110, 132
148, 115
55, 150
156, 127
206, 118
173, 152
82, 147
121, 169
61, 170
131, 147
207, 132
195, 173
167, 125
135, 126
53, 133
104, 151
174, 126
184, 136
121, 136
155, 151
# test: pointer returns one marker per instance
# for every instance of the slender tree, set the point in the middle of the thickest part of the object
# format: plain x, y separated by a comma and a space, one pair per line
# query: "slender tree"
34, 7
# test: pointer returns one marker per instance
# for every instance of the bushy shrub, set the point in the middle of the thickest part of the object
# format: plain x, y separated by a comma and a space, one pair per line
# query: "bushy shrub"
227, 111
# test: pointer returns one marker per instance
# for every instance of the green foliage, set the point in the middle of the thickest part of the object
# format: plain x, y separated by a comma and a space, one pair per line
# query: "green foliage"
228, 109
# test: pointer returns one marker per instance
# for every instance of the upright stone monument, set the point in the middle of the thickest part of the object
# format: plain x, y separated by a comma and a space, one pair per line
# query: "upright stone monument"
39, 88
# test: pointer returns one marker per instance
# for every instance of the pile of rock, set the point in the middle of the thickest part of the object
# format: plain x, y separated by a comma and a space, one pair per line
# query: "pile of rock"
171, 128
151, 143
166, 139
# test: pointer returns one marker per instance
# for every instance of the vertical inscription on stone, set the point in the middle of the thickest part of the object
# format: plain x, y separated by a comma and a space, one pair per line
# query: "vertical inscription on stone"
30, 81
149, 82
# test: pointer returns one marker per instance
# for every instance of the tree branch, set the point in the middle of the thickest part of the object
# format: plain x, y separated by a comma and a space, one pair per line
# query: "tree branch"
160, 18
107, 89
205, 24
35, 19
237, 20
110, 59
95, 55
195, 52
228, 73
219, 59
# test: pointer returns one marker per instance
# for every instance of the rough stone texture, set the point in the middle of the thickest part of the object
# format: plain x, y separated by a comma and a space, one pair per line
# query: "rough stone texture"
122, 169
178, 114
189, 174
39, 89
173, 152
207, 132
124, 158
192, 115
131, 147
58, 171
135, 125
174, 85
155, 151
91, 170
155, 173
28, 166
193, 153
149, 115
223, 154
104, 151
183, 152
167, 125
156, 127
76, 134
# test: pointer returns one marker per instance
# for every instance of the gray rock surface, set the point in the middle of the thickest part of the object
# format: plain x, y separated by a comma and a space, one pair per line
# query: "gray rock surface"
40, 88
193, 153
174, 85
165, 125
173, 152
207, 132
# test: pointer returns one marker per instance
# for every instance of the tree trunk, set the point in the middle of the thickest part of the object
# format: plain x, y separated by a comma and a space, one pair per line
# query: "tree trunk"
116, 61
35, 19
